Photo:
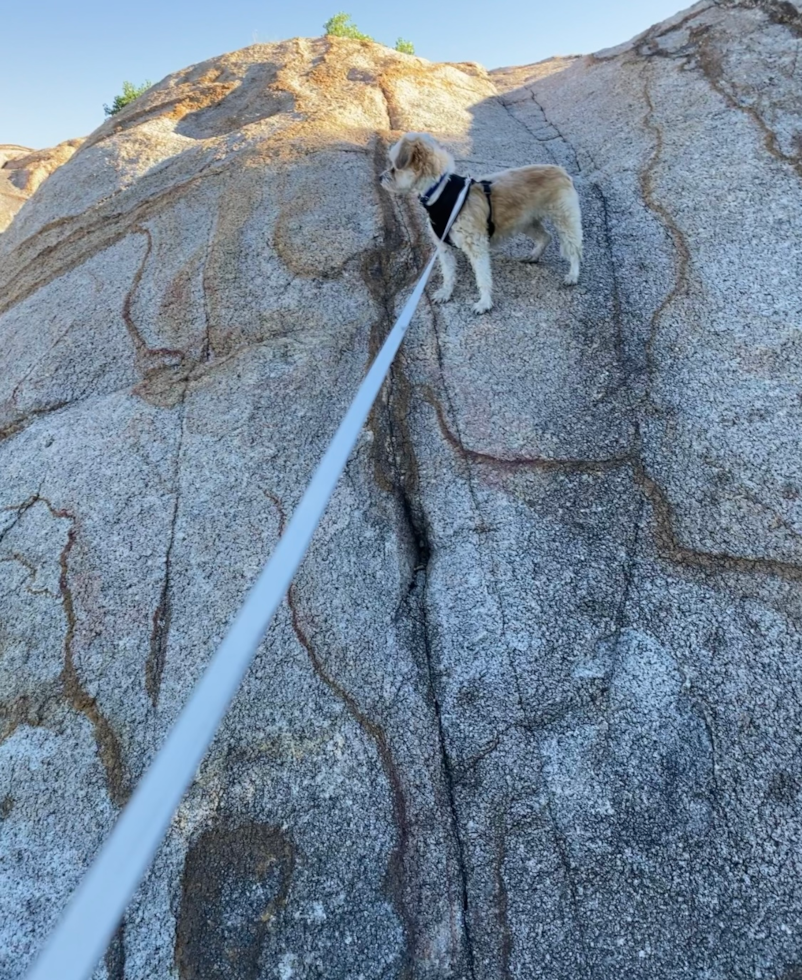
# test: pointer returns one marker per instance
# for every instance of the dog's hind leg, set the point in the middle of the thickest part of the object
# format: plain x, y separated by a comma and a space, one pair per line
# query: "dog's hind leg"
540, 237
567, 220
448, 267
478, 252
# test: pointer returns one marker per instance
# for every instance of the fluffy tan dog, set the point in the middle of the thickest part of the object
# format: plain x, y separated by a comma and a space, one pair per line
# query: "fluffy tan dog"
502, 204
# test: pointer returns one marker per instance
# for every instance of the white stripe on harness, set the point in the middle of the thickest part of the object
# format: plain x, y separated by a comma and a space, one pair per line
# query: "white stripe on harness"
97, 905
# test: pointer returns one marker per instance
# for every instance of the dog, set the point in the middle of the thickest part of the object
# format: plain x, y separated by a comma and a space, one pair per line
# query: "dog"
498, 206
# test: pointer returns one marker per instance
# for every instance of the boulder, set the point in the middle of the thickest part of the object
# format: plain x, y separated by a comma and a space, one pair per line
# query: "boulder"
23, 170
533, 706
11, 200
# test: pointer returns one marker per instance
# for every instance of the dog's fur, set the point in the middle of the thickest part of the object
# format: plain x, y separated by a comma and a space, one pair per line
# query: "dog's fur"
521, 199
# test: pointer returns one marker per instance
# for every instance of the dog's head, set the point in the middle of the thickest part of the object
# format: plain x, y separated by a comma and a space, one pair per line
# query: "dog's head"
417, 160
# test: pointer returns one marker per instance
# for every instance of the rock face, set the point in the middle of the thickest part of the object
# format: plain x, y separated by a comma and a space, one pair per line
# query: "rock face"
11, 200
533, 707
23, 170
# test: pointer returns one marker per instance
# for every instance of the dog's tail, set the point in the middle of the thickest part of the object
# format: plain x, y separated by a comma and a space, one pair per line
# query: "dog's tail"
567, 218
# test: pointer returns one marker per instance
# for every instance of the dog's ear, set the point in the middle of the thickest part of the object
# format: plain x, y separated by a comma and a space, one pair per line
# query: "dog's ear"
411, 153
403, 157
416, 156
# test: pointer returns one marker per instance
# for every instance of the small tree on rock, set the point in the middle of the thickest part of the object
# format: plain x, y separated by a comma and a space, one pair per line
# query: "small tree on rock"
342, 25
129, 93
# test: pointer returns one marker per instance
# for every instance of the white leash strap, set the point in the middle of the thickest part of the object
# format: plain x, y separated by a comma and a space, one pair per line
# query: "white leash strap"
99, 902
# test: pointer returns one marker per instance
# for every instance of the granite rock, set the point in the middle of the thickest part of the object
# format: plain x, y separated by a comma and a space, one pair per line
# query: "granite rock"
533, 706
23, 170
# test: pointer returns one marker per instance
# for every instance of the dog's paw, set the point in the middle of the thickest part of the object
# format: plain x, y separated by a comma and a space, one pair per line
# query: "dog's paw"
571, 280
483, 305
441, 295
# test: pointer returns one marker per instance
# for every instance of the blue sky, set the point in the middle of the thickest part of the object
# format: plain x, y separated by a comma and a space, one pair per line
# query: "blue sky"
61, 61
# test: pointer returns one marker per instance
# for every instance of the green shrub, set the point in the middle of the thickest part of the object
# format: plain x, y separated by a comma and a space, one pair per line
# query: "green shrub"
130, 92
342, 25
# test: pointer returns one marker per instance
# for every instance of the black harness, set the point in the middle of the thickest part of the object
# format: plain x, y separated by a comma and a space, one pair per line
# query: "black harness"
440, 211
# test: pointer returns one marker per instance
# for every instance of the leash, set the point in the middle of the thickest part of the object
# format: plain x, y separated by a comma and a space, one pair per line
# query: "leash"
98, 903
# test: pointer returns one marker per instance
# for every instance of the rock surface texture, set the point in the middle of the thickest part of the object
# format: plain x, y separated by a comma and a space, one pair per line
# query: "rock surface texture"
11, 199
533, 707
23, 170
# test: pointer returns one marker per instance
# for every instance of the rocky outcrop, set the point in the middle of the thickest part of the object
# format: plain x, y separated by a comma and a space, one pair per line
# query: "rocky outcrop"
11, 200
533, 705
23, 170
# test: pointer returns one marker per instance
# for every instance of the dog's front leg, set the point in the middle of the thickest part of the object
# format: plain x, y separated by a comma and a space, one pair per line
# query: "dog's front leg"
478, 252
448, 267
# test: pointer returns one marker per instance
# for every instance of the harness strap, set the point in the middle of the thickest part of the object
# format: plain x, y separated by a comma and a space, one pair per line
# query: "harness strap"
446, 192
440, 197
486, 185
426, 199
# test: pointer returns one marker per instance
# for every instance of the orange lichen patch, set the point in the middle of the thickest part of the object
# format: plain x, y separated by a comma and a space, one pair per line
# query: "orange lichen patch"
191, 90
337, 82
202, 98
209, 77
333, 82
190, 94
472, 68
351, 93
507, 79
429, 97
453, 77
